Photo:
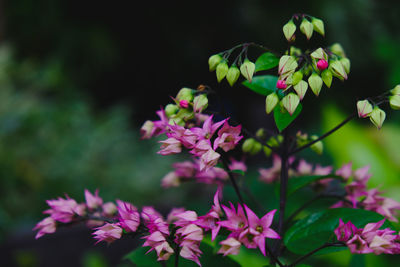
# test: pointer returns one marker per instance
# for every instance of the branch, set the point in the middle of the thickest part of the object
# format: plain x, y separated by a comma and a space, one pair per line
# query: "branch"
352, 116
272, 255
336, 244
232, 178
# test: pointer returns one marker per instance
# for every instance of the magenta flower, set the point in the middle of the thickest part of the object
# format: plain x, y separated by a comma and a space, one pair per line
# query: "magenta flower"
45, 226
322, 64
345, 171
358, 245
304, 167
209, 159
209, 221
108, 233
230, 246
129, 217
154, 221
186, 169
62, 210
170, 146
281, 84
201, 148
208, 129
228, 137
345, 231
170, 180
171, 218
237, 165
109, 209
236, 221
186, 137
93, 201
157, 242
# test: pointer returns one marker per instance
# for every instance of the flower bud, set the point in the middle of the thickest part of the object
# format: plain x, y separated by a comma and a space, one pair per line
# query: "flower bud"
315, 83
233, 75
185, 94
267, 151
200, 103
338, 69
171, 109
301, 89
287, 65
251, 146
346, 64
294, 51
288, 30
364, 108
318, 147
147, 129
326, 76
261, 133
281, 84
396, 90
337, 49
377, 117
394, 101
322, 64
270, 102
213, 61
247, 69
176, 120
290, 102
306, 28
319, 54
222, 70
297, 77
184, 104
318, 26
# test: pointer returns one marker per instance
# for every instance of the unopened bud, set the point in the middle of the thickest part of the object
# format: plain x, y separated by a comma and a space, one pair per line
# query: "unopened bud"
213, 61
185, 94
294, 51
377, 117
270, 102
315, 83
318, 26
251, 146
184, 104
171, 109
297, 77
396, 90
317, 147
288, 30
346, 64
319, 54
222, 70
287, 65
337, 49
147, 129
233, 75
338, 69
326, 76
322, 64
394, 101
301, 89
306, 28
281, 84
200, 103
176, 120
290, 102
267, 151
247, 69
261, 133
364, 108
185, 114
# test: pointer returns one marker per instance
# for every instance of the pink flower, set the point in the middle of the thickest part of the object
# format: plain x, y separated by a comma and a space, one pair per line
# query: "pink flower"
322, 64
157, 242
237, 165
209, 221
186, 137
93, 201
304, 167
236, 221
186, 169
170, 146
209, 159
45, 226
109, 209
170, 180
230, 246
228, 137
344, 231
345, 171
208, 129
272, 174
108, 233
129, 217
213, 175
201, 148
281, 84
358, 245
191, 251
62, 210
154, 221
172, 214
184, 104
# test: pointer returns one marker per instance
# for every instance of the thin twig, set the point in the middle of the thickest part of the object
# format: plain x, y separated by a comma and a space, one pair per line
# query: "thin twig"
232, 178
336, 244
272, 255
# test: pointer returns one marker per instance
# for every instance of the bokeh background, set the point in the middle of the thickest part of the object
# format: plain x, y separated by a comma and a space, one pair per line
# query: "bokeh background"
78, 78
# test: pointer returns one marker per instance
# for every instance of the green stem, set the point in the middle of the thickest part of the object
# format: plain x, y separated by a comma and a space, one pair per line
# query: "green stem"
336, 244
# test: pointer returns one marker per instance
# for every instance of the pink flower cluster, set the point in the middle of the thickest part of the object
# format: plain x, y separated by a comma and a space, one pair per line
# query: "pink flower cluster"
360, 197
368, 239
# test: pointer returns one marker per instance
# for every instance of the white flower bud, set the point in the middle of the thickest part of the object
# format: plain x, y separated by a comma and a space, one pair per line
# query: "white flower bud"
315, 83
233, 75
364, 108
301, 89
221, 70
377, 117
306, 27
290, 102
247, 69
288, 30
318, 26
270, 102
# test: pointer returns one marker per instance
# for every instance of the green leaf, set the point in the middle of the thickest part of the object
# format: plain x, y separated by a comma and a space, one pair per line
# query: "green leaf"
295, 183
140, 258
263, 85
317, 229
266, 61
240, 172
283, 119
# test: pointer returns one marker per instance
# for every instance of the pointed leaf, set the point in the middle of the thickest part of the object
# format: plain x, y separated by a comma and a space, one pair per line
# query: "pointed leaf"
283, 119
266, 61
263, 85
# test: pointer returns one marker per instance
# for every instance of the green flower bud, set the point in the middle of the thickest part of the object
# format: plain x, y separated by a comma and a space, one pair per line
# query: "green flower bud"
319, 54
364, 108
185, 114
301, 89
270, 102
222, 70
261, 133
306, 28
267, 151
213, 61
346, 64
176, 120
251, 146
185, 94
288, 30
171, 109
337, 49
294, 51
396, 90
200, 103
337, 69
326, 76
318, 26
290, 102
287, 65
233, 75
394, 101
377, 117
247, 69
297, 77
315, 83
318, 147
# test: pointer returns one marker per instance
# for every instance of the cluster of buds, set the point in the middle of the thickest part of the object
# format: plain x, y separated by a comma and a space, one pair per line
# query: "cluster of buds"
375, 114
253, 146
394, 99
303, 139
369, 239
219, 63
307, 27
359, 196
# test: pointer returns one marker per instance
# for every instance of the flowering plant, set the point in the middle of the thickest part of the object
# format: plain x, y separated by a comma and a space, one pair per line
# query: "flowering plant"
359, 220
